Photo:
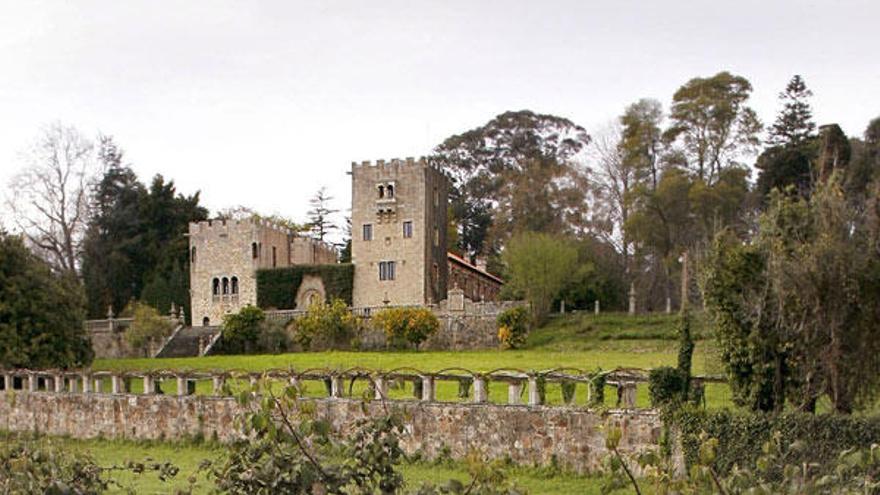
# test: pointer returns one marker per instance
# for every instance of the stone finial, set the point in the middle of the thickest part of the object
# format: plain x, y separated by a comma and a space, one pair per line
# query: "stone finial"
632, 299
110, 312
173, 311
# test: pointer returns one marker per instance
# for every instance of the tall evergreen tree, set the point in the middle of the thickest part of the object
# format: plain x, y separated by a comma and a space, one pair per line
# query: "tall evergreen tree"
320, 221
794, 125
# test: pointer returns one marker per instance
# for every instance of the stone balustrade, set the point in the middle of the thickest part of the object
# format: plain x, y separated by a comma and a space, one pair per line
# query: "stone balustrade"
523, 388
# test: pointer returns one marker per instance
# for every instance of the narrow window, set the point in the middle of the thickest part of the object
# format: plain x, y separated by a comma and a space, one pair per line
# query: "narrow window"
193, 255
407, 229
255, 250
225, 286
436, 237
216, 286
235, 285
206, 321
368, 232
386, 270
436, 273
436, 197
381, 192
274, 258
390, 191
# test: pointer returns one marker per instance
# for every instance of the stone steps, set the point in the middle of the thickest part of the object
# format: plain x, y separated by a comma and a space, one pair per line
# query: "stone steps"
188, 342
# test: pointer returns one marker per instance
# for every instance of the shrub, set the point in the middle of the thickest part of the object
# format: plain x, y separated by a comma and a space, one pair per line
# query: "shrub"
406, 326
148, 325
326, 326
513, 326
241, 330
667, 385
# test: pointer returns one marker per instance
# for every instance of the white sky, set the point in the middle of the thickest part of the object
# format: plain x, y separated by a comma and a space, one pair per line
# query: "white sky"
260, 103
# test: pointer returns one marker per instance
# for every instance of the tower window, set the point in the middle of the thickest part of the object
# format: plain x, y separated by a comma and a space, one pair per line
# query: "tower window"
381, 192
192, 256
436, 197
215, 284
235, 285
436, 237
368, 232
390, 191
255, 250
225, 286
386, 270
407, 229
274, 258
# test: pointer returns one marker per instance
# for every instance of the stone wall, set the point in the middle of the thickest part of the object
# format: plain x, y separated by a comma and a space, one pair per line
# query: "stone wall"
526, 434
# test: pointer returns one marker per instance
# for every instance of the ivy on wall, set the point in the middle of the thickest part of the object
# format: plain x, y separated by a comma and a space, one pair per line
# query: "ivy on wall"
277, 287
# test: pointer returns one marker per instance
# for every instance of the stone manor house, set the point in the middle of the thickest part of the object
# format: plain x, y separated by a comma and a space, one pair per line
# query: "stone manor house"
399, 257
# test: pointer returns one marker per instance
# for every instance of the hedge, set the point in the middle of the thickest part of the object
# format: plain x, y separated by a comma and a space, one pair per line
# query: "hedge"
742, 435
277, 287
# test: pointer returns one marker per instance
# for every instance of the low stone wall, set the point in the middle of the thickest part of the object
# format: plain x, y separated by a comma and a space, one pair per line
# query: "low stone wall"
526, 434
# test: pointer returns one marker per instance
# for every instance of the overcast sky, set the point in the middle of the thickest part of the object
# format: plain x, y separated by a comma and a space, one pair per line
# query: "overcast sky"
260, 103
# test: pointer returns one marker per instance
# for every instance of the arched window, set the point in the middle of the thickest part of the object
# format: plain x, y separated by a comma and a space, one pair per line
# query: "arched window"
255, 250
216, 286
192, 256
390, 191
225, 286
381, 192
235, 285
206, 322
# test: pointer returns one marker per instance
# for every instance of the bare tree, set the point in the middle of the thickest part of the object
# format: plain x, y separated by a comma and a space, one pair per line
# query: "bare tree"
614, 177
51, 196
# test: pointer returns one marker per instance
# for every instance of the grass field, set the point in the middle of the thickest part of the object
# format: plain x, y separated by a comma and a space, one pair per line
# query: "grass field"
580, 341
188, 456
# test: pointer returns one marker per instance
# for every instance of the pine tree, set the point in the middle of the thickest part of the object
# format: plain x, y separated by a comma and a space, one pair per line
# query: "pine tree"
320, 222
794, 124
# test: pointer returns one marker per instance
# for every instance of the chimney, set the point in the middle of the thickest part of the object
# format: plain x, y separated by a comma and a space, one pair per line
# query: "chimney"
481, 263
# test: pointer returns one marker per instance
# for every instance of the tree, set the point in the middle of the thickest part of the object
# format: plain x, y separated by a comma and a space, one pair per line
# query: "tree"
539, 265
484, 161
641, 140
319, 215
41, 312
794, 125
713, 123
52, 194
796, 308
785, 168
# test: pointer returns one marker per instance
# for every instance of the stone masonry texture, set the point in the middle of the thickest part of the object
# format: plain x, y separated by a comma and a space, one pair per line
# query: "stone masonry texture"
525, 434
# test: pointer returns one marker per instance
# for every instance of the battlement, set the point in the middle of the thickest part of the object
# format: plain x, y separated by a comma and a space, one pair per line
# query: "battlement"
224, 225
395, 163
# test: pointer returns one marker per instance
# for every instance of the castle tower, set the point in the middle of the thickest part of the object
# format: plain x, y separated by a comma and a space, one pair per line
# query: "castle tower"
398, 223
224, 258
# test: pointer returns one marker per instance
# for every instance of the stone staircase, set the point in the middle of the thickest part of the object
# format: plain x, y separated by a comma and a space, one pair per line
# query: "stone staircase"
188, 342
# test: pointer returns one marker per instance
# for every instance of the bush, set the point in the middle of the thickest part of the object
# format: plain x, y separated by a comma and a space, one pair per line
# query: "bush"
148, 325
326, 326
513, 326
667, 385
743, 434
406, 326
242, 330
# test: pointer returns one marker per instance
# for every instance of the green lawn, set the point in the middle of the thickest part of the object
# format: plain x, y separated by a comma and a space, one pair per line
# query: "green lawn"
187, 457
581, 341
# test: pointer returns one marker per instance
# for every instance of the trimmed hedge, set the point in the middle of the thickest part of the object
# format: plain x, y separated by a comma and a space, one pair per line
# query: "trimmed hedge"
742, 435
277, 287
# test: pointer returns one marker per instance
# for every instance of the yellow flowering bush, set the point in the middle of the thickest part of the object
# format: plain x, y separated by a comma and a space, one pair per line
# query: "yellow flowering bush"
403, 326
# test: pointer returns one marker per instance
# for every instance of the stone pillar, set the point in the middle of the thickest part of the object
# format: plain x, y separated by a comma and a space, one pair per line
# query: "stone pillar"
632, 299
514, 391
337, 387
59, 383
32, 382
380, 391
7, 382
99, 386
181, 385
86, 383
629, 395
217, 382
115, 384
562, 307
534, 394
428, 388
149, 388
481, 390
596, 307
71, 384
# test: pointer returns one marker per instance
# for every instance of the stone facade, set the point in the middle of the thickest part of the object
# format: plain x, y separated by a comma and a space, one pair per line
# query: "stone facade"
474, 280
525, 434
225, 256
398, 218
